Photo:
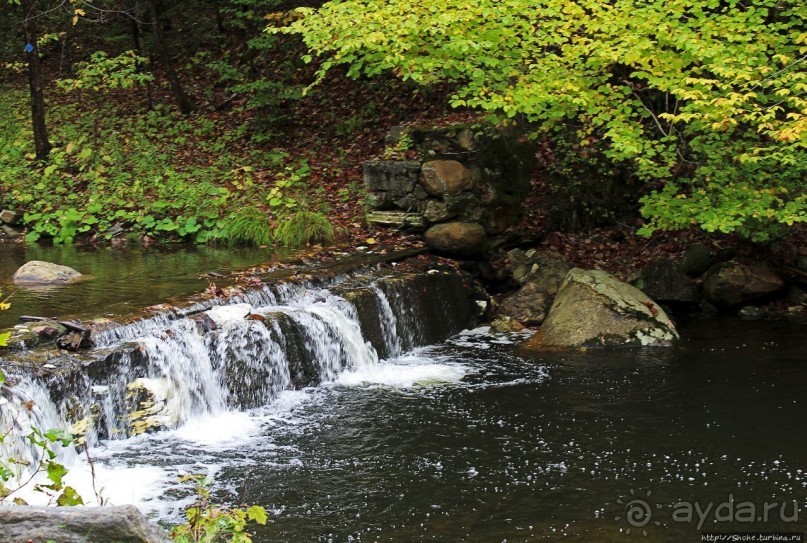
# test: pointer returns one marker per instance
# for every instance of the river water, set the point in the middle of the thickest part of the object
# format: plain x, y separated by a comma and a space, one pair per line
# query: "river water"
120, 279
468, 441
471, 440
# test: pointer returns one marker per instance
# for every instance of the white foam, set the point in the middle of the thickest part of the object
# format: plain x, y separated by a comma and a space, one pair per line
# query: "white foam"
225, 313
405, 372
224, 429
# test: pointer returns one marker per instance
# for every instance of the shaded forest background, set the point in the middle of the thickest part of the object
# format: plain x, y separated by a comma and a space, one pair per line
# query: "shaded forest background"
187, 120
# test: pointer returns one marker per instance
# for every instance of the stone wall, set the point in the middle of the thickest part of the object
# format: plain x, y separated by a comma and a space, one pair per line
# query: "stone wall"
466, 175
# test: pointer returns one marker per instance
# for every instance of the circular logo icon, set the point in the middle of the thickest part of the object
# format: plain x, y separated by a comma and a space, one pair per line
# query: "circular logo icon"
637, 511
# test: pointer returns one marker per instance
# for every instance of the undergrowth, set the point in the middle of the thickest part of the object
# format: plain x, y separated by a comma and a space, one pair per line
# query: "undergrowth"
147, 173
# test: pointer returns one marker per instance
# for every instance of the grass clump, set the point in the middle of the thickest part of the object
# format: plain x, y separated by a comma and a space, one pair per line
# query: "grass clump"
303, 228
248, 226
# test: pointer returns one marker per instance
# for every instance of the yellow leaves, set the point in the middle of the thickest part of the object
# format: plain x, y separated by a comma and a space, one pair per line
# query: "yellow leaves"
4, 306
78, 12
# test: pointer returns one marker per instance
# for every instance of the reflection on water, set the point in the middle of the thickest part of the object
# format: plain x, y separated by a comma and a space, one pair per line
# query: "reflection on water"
121, 279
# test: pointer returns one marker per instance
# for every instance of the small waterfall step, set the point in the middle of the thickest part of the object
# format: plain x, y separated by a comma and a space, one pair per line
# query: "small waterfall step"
161, 372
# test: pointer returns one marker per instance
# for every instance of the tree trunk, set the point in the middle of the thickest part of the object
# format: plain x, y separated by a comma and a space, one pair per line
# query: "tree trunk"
184, 103
41, 141
137, 45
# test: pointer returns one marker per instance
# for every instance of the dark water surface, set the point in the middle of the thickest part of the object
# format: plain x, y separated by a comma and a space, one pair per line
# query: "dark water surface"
552, 448
121, 279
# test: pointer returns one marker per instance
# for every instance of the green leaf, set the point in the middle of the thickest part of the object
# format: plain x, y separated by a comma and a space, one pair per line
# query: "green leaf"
258, 514
69, 497
56, 473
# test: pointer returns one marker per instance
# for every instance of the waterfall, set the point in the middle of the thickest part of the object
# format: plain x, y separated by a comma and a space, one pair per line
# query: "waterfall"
213, 357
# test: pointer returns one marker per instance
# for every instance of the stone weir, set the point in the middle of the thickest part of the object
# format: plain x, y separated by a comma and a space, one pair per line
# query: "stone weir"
235, 352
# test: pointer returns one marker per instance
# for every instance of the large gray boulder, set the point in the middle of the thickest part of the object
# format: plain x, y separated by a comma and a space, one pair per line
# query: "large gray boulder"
457, 238
38, 272
732, 284
122, 524
595, 309
665, 281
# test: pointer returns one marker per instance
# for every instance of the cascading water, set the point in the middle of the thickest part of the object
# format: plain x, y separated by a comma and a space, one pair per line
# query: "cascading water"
183, 368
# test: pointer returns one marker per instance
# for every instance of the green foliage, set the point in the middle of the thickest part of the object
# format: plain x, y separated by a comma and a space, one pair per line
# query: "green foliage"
703, 100
303, 228
268, 89
157, 174
103, 73
208, 523
249, 226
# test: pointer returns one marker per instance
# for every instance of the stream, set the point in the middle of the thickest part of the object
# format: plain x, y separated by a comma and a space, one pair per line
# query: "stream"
466, 439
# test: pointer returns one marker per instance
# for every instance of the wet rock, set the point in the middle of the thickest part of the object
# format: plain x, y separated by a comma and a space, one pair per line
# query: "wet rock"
37, 272
504, 325
527, 306
732, 284
697, 260
725, 254
9, 217
594, 309
48, 329
74, 341
457, 238
122, 524
204, 323
9, 232
665, 281
439, 177
148, 411
546, 269
751, 312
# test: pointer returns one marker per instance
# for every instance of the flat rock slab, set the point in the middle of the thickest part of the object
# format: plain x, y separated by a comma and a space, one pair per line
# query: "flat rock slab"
38, 272
122, 524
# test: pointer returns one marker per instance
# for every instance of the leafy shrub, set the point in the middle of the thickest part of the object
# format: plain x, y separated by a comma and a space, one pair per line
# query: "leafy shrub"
208, 523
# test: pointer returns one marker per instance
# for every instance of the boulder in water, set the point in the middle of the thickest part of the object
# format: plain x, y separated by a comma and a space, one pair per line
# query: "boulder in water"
123, 524
38, 272
595, 309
